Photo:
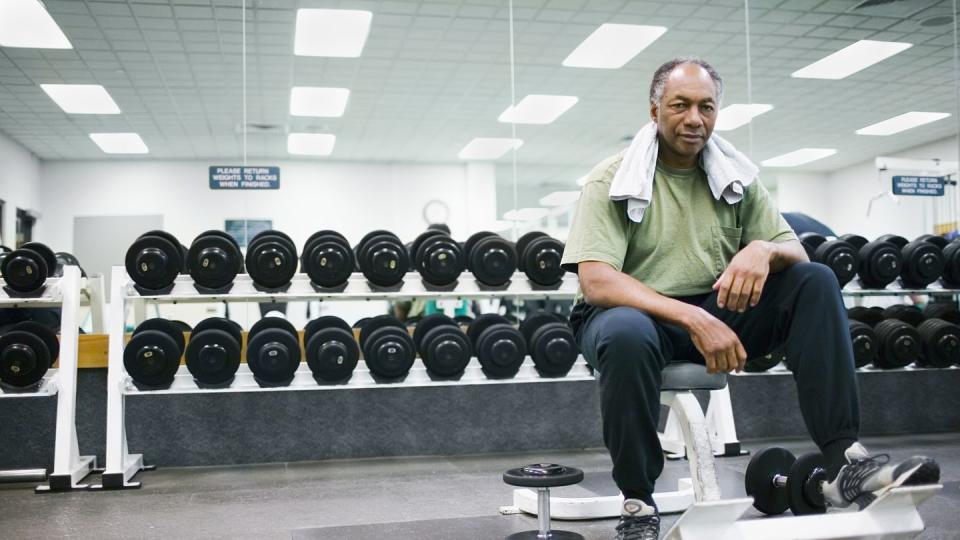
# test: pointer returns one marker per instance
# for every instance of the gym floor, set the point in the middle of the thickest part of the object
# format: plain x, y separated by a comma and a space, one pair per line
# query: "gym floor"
430, 498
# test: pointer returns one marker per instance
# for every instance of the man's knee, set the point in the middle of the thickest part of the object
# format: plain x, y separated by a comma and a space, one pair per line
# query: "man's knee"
814, 274
626, 335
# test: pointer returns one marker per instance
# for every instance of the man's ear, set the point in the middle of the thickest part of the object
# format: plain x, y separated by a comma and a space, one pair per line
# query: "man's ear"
654, 110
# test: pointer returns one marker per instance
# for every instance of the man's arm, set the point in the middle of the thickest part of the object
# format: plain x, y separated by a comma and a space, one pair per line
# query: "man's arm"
743, 280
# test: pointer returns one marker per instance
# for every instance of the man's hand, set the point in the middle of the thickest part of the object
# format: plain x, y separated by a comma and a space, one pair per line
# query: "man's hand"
743, 280
719, 345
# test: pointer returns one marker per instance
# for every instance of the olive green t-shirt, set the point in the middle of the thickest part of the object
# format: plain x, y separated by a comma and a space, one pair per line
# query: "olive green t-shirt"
686, 237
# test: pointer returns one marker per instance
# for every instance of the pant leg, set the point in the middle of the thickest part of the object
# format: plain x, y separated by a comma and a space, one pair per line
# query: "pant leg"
629, 349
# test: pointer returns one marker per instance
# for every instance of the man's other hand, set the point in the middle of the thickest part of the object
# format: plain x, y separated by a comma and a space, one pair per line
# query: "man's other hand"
743, 280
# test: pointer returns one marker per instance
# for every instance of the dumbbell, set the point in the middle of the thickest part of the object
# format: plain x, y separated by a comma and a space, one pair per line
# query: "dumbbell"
443, 347
879, 262
463, 320
539, 258
838, 255
898, 344
27, 268
491, 258
387, 347
361, 323
941, 343
922, 261
332, 352
152, 356
214, 259
551, 343
499, 346
935, 239
777, 480
945, 311
382, 258
327, 258
273, 350
66, 259
213, 352
864, 341
867, 315
271, 259
437, 257
902, 312
763, 363
951, 266
27, 350
154, 260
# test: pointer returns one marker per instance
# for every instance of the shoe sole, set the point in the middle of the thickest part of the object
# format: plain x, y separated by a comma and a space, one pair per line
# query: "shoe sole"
925, 472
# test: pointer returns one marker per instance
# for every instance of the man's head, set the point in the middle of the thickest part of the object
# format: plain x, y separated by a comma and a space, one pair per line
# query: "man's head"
684, 99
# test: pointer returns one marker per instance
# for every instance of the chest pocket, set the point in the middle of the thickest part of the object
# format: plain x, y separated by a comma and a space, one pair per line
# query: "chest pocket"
726, 244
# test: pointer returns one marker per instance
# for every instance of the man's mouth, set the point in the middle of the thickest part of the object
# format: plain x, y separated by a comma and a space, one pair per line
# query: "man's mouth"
691, 138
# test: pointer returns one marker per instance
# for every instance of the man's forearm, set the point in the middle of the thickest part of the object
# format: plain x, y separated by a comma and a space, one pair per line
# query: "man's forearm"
612, 288
784, 254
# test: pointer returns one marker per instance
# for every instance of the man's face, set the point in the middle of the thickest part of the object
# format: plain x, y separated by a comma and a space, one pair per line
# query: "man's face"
687, 111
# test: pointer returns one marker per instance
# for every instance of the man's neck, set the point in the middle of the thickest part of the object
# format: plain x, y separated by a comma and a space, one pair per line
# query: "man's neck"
675, 161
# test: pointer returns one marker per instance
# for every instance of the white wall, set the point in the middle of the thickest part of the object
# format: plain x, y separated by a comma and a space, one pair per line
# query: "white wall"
19, 176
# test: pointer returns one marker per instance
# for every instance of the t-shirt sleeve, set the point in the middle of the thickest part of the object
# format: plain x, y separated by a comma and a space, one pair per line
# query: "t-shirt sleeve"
598, 231
760, 218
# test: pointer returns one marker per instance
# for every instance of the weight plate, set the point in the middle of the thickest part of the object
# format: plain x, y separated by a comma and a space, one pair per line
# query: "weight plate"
24, 270
375, 323
758, 480
5, 249
922, 264
951, 270
168, 327
24, 358
535, 320
384, 261
471, 242
803, 485
273, 354
908, 314
220, 323
213, 261
48, 255
45, 333
325, 321
265, 323
898, 344
446, 350
213, 355
945, 311
880, 264
554, 349
840, 256
270, 232
183, 258
415, 245
941, 343
221, 234
854, 240
388, 351
439, 260
332, 353
935, 239
361, 323
483, 322
152, 357
501, 350
493, 260
894, 239
67, 259
271, 260
523, 242
153, 262
376, 232
864, 342
427, 324
334, 235
328, 259
162, 234
541, 260
811, 241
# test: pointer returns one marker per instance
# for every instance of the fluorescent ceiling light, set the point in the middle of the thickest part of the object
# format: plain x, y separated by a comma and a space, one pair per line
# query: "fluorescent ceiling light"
799, 157
331, 32
560, 198
311, 144
120, 143
538, 109
525, 214
739, 114
902, 123
488, 148
314, 101
26, 23
81, 98
613, 45
852, 59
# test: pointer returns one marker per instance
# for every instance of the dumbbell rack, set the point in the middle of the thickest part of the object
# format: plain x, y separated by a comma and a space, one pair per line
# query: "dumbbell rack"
121, 465
69, 467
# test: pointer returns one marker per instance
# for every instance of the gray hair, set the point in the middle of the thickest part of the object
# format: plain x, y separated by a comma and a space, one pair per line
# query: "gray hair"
660, 77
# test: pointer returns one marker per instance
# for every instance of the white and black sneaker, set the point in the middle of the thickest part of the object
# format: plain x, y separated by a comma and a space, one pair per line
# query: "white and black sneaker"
866, 477
638, 521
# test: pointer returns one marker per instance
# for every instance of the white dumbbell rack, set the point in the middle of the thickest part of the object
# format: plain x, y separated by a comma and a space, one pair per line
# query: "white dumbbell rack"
121, 465
69, 467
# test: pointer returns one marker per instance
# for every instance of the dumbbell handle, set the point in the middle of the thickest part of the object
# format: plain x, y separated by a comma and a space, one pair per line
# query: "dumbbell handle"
779, 480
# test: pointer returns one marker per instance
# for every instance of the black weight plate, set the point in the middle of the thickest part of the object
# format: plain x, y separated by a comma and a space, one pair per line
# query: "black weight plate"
270, 232
152, 357
24, 270
941, 343
554, 349
182, 326
864, 342
758, 480
375, 323
334, 236
541, 260
271, 261
325, 321
361, 323
428, 323
171, 328
273, 354
539, 475
332, 353
854, 240
183, 258
803, 485
472, 241
446, 350
5, 249
386, 261
49, 257
220, 323
221, 234
922, 264
213, 261
439, 260
522, 244
463, 320
360, 250
493, 260
934, 239
24, 358
163, 234
951, 270
534, 321
902, 312
840, 256
328, 259
67, 259
388, 351
898, 344
45, 333
763, 363
501, 350
483, 322
213, 355
415, 245
894, 239
880, 264
945, 311
153, 262
266, 323
811, 241
363, 249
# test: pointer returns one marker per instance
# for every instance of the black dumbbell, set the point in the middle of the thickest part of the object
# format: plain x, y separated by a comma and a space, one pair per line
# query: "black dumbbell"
879, 261
499, 346
864, 341
66, 259
361, 323
273, 350
27, 350
332, 352
867, 315
437, 257
538, 256
213, 352
777, 481
27, 268
898, 344
214, 259
327, 258
443, 347
935, 239
152, 356
463, 320
945, 311
154, 260
951, 266
551, 343
763, 363
941, 343
271, 259
922, 261
382, 258
387, 347
902, 312
837, 254
491, 258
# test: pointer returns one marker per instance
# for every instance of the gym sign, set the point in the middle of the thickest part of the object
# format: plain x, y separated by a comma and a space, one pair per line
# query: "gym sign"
921, 186
237, 177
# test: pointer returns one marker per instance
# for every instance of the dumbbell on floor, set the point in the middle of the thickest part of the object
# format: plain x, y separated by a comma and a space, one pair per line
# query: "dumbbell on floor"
388, 349
214, 259
839, 255
539, 258
152, 356
443, 347
382, 258
327, 258
154, 260
332, 352
27, 350
213, 352
499, 346
273, 350
777, 481
271, 259
922, 261
26, 269
437, 257
763, 363
491, 258
551, 343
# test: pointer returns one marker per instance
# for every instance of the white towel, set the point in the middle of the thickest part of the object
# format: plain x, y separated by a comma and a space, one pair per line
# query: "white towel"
728, 171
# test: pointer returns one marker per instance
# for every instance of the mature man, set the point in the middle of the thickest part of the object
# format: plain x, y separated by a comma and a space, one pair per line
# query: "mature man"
682, 255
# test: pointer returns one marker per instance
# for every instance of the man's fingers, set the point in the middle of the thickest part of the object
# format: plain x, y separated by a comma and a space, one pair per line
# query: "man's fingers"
733, 299
741, 357
757, 289
724, 290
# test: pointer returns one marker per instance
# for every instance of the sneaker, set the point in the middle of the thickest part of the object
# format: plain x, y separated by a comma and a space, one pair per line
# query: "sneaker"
638, 521
866, 477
